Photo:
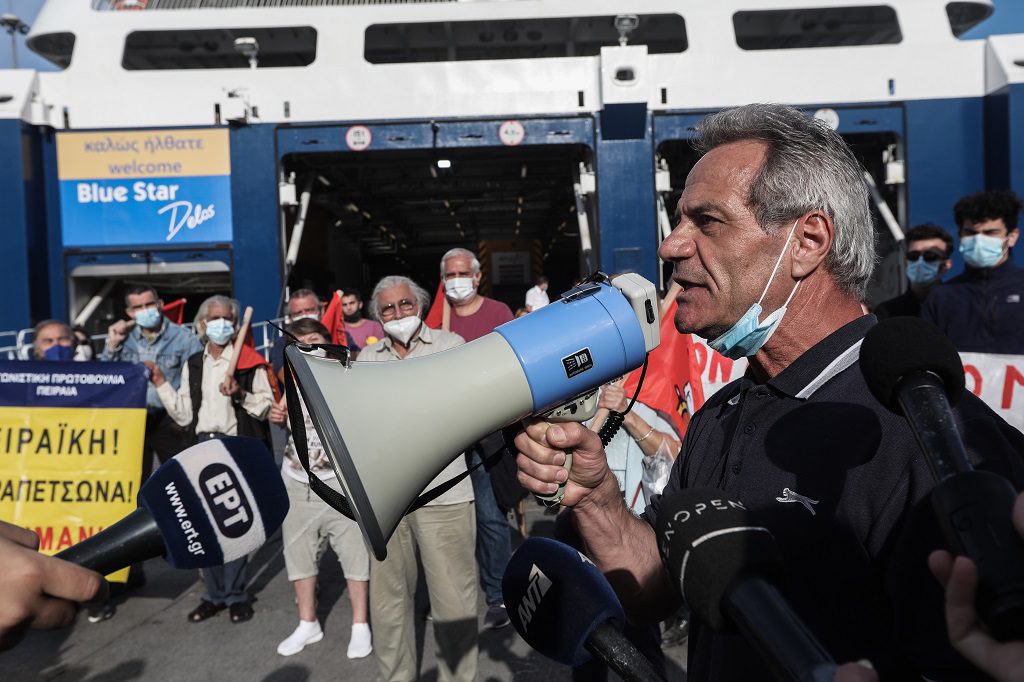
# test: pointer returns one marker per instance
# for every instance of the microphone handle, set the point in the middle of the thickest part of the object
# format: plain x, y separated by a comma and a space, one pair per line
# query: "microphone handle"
974, 511
134, 538
766, 620
619, 654
923, 401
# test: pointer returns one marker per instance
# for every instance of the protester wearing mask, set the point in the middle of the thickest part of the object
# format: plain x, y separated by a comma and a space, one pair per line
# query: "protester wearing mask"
362, 330
929, 248
799, 439
473, 316
153, 339
83, 345
52, 340
303, 304
982, 309
443, 530
212, 405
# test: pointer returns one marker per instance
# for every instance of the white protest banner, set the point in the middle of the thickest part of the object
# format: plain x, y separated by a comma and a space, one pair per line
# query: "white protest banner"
999, 381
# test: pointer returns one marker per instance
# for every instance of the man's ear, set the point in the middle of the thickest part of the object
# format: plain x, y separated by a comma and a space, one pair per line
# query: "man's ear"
946, 266
1012, 238
814, 233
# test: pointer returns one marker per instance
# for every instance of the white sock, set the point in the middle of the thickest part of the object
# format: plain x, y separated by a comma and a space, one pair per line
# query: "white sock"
361, 643
308, 632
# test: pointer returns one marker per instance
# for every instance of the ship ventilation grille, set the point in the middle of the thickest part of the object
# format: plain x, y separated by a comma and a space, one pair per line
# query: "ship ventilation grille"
129, 5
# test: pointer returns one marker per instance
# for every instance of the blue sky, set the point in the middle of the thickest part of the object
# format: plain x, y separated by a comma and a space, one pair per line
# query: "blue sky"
1008, 18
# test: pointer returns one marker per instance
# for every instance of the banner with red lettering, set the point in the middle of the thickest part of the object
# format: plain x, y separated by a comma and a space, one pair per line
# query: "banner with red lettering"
71, 436
999, 381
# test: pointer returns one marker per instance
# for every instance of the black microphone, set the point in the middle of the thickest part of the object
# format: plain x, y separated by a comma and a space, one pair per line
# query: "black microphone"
564, 607
726, 567
212, 503
914, 370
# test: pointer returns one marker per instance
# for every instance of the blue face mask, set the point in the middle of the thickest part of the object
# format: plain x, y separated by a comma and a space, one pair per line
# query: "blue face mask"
59, 353
922, 272
748, 334
148, 318
982, 251
220, 331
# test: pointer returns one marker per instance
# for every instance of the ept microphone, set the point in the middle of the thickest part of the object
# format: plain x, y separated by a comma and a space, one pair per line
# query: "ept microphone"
564, 607
212, 503
914, 370
725, 566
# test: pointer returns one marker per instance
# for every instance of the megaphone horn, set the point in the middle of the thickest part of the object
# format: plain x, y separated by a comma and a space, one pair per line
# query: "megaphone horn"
431, 409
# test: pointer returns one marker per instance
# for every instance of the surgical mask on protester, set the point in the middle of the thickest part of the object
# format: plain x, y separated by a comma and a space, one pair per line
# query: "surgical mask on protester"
402, 330
922, 272
304, 316
148, 318
747, 335
981, 250
220, 331
59, 353
83, 352
459, 288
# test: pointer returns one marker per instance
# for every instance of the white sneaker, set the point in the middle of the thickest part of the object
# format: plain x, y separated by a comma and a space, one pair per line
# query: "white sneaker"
361, 643
307, 633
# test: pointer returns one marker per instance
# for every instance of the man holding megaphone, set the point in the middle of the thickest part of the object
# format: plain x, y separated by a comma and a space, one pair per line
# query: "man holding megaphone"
444, 530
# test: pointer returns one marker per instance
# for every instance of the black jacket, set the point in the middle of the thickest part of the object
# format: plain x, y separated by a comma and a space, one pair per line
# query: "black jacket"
981, 310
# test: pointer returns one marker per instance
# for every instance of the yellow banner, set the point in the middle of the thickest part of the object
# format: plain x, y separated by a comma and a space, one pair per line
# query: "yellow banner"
69, 472
129, 154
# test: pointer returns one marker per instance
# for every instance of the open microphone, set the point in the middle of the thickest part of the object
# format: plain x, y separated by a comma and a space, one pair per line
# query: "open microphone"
564, 607
212, 503
726, 567
914, 370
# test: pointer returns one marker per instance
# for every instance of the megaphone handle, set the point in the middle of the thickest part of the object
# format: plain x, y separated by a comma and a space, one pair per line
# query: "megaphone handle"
556, 497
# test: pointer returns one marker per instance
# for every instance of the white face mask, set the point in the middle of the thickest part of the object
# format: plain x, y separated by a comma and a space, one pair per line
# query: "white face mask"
459, 288
307, 316
402, 330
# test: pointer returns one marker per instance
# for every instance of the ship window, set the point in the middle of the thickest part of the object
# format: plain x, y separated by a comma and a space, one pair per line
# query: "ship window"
455, 41
816, 27
54, 47
217, 48
963, 16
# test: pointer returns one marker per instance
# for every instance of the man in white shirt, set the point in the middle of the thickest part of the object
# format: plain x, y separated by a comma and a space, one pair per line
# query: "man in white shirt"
215, 405
444, 530
537, 295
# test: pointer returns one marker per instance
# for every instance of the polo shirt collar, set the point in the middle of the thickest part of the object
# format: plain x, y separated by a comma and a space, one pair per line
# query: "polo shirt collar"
824, 360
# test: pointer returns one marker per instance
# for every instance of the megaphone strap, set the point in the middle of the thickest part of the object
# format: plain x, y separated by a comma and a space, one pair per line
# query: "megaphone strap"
328, 494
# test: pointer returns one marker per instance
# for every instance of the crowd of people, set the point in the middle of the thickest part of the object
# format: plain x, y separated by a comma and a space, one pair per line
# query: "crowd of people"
774, 217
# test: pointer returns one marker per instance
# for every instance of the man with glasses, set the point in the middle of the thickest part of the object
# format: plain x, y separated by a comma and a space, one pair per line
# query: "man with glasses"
929, 248
443, 530
982, 309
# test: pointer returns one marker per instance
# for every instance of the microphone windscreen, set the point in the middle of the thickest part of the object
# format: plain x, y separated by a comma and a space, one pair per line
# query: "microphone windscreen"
708, 541
555, 597
900, 346
216, 501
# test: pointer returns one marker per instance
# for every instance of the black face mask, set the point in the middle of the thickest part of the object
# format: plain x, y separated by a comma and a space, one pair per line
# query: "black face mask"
352, 319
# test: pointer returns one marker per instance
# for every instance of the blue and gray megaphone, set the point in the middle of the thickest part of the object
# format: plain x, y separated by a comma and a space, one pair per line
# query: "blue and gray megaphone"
390, 428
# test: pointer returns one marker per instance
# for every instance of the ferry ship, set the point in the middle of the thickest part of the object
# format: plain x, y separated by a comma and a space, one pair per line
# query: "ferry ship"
252, 146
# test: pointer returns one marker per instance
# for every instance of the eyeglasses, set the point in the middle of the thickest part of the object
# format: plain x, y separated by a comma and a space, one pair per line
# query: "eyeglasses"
929, 256
405, 305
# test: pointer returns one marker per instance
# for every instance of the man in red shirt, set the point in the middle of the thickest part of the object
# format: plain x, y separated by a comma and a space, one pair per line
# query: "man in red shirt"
473, 316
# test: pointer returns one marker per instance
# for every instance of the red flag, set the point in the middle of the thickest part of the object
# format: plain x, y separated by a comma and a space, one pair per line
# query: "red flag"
334, 320
435, 318
672, 383
175, 310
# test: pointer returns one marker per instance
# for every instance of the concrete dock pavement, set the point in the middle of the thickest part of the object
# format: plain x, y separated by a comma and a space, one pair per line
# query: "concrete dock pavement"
149, 637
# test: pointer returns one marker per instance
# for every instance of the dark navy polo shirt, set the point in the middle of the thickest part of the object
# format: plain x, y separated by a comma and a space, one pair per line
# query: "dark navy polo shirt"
855, 550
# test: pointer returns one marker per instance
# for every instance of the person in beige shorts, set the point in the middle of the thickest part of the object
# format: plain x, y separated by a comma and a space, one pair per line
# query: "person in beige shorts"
311, 524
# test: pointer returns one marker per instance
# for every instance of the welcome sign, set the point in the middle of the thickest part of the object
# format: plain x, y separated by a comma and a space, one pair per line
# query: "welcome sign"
144, 187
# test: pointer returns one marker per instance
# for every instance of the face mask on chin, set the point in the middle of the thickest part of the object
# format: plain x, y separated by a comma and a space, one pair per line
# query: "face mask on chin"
403, 329
352, 319
459, 288
748, 334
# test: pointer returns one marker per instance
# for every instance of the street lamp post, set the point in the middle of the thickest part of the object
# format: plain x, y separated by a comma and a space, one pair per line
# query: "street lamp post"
13, 25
